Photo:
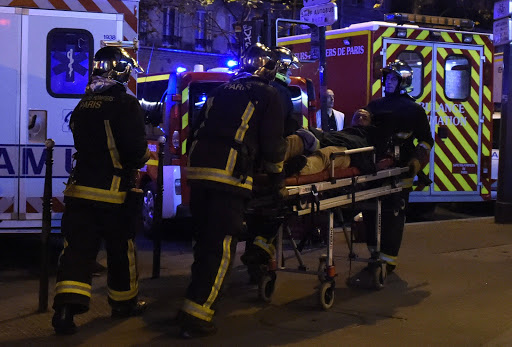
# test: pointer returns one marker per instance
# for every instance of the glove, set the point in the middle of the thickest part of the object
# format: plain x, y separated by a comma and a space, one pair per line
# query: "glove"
277, 185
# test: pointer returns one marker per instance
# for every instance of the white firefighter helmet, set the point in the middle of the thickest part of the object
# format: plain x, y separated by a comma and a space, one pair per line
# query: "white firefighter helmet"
114, 63
404, 73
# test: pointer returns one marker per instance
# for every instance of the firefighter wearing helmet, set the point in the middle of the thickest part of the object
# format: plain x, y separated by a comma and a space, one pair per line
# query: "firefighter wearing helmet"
288, 61
240, 125
101, 201
397, 116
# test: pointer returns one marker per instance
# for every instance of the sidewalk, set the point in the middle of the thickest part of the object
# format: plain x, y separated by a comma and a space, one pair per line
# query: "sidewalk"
452, 288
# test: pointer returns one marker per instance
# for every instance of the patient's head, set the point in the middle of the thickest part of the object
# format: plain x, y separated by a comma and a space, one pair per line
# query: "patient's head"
361, 118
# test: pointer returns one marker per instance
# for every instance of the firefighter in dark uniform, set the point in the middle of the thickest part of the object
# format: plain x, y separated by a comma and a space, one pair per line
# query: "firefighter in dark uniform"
101, 201
240, 122
261, 233
288, 61
397, 116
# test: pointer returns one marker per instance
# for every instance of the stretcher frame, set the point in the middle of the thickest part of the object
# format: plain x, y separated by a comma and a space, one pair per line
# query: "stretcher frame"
304, 199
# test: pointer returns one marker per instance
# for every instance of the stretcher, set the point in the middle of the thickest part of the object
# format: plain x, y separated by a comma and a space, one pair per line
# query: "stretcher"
325, 191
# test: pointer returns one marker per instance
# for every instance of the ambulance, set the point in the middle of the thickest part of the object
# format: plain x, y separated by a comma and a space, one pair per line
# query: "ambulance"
172, 101
45, 63
453, 82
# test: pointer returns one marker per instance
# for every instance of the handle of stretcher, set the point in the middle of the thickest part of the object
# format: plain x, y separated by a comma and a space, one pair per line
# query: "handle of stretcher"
349, 152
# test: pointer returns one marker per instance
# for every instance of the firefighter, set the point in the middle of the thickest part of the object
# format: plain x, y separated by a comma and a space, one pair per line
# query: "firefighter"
288, 61
241, 122
398, 117
101, 201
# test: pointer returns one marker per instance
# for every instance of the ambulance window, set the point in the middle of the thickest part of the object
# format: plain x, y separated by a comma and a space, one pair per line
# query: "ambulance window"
457, 79
413, 59
69, 54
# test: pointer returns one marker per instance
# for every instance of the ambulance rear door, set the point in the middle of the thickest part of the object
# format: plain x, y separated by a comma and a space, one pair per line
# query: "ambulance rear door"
56, 61
448, 84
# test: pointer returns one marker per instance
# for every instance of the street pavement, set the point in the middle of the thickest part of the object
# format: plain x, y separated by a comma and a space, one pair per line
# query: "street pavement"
453, 287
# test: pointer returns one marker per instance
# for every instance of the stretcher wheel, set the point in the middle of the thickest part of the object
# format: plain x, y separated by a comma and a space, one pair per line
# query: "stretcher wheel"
266, 287
379, 274
322, 265
326, 294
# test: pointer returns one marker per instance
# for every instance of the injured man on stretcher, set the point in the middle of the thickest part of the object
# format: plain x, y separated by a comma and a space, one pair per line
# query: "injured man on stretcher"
308, 151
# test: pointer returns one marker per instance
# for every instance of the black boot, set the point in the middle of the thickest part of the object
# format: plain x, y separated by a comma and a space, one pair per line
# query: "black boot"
192, 327
256, 261
62, 321
125, 310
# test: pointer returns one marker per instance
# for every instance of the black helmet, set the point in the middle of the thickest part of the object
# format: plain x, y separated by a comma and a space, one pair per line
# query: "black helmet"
260, 61
114, 63
287, 59
404, 73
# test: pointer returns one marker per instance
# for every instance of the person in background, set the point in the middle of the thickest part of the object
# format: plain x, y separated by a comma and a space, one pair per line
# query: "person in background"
240, 125
335, 119
100, 197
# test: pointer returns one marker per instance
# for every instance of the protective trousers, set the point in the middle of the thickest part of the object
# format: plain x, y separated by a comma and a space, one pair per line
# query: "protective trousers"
392, 225
219, 218
84, 224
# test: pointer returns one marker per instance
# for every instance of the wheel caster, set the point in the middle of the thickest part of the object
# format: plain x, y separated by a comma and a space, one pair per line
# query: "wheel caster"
266, 287
326, 295
379, 275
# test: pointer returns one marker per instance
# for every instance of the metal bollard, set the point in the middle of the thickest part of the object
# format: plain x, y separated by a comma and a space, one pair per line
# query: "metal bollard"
157, 220
46, 226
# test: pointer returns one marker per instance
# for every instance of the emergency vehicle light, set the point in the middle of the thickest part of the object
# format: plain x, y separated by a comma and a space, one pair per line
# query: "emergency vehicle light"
232, 63
434, 21
181, 69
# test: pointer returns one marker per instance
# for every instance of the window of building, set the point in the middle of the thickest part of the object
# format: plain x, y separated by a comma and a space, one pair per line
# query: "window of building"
68, 62
457, 77
204, 31
171, 34
415, 61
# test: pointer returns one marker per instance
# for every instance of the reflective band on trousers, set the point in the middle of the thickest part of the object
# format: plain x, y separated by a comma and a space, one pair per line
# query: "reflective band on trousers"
265, 245
204, 311
73, 287
134, 284
388, 259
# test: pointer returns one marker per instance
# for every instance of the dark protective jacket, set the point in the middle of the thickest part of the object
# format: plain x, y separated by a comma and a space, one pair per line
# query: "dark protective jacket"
400, 114
109, 135
291, 124
241, 123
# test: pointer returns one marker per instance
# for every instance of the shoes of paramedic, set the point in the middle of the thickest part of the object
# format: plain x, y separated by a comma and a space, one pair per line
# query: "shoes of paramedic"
256, 260
62, 320
390, 268
134, 308
192, 327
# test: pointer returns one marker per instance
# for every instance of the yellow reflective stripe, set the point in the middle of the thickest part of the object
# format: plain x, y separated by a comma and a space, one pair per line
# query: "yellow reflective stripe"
184, 120
153, 78
153, 162
217, 175
132, 270
425, 145
116, 181
388, 258
305, 122
273, 167
184, 95
378, 42
124, 295
265, 245
197, 310
89, 193
184, 147
230, 165
73, 287
423, 35
487, 52
375, 87
221, 273
114, 154
446, 37
132, 264
249, 111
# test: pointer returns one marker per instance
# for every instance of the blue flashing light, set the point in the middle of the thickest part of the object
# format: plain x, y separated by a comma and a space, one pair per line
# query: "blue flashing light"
232, 63
181, 69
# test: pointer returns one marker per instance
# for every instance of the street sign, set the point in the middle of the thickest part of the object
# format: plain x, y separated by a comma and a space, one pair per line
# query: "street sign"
321, 15
502, 9
502, 31
308, 3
